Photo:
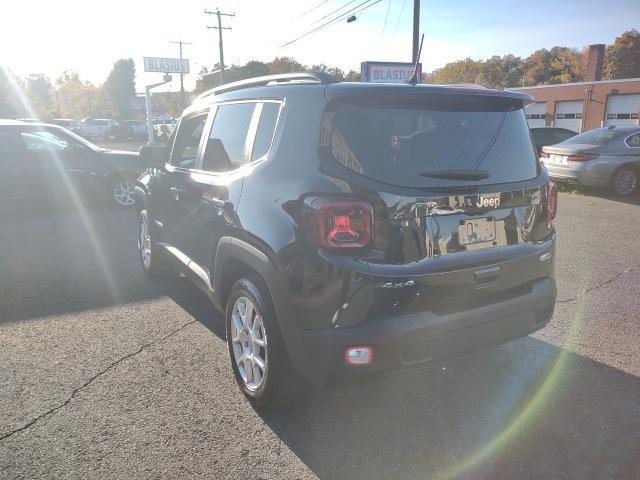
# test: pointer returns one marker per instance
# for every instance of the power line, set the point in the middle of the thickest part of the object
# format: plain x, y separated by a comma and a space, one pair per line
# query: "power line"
334, 20
385, 20
332, 12
404, 4
312, 9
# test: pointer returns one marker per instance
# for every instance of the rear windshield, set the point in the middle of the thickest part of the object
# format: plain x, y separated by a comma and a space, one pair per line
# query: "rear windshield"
599, 136
395, 141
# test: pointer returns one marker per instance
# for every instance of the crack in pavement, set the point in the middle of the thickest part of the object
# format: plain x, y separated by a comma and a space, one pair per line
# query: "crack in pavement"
88, 382
600, 285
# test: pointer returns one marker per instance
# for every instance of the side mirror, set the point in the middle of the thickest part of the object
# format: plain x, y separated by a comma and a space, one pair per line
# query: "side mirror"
153, 156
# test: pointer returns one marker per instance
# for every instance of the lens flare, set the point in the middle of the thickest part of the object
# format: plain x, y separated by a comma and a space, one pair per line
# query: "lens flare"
77, 203
526, 415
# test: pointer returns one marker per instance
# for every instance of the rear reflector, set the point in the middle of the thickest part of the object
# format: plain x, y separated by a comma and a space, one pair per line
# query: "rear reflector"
358, 356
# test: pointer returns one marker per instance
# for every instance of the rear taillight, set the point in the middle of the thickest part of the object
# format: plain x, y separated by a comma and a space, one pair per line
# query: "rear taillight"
551, 203
336, 224
544, 155
582, 157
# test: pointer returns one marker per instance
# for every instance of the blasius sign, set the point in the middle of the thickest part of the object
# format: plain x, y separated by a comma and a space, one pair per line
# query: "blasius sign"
166, 65
387, 72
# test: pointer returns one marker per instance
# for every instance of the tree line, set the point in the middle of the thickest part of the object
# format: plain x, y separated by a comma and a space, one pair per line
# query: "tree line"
70, 97
544, 66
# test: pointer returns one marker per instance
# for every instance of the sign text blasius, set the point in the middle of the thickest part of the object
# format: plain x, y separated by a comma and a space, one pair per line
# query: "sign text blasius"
387, 72
166, 65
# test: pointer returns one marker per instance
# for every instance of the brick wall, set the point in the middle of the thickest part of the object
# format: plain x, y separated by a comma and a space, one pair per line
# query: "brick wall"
594, 95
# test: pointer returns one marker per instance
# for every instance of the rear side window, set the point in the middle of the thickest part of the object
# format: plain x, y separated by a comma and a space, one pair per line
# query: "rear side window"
633, 141
266, 129
599, 136
225, 148
395, 141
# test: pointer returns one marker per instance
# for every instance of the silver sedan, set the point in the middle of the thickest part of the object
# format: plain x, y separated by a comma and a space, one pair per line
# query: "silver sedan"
603, 157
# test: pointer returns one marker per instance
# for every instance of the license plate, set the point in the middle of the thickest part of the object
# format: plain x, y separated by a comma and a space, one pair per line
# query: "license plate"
479, 230
558, 159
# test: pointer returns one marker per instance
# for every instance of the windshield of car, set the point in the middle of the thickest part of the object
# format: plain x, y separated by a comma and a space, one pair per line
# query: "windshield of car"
402, 142
84, 141
599, 136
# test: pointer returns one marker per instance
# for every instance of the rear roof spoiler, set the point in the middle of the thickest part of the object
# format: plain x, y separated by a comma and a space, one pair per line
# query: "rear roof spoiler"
358, 88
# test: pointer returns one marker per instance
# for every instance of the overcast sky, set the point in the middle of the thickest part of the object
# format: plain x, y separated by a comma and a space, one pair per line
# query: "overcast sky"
86, 36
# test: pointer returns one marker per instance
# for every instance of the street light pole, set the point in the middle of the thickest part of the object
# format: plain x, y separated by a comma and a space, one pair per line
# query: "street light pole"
220, 14
184, 103
149, 108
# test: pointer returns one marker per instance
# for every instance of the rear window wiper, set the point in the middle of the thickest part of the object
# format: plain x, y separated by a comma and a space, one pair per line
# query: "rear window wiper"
457, 174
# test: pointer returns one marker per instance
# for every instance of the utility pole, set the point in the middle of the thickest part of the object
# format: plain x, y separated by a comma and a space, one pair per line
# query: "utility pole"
180, 42
220, 14
416, 30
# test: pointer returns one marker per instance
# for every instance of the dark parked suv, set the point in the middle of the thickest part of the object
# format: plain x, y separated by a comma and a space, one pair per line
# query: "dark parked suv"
350, 227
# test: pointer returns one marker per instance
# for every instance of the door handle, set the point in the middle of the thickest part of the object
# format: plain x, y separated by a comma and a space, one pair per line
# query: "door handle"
487, 276
176, 191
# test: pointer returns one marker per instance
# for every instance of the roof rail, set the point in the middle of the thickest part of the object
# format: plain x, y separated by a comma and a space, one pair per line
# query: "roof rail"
303, 77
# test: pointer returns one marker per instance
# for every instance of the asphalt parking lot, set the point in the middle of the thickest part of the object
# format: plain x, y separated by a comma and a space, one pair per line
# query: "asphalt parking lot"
108, 375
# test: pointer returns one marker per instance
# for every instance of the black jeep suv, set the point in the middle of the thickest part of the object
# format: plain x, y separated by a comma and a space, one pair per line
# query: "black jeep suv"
351, 227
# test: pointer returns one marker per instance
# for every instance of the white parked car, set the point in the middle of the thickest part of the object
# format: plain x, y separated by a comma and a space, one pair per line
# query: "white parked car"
134, 128
68, 123
99, 128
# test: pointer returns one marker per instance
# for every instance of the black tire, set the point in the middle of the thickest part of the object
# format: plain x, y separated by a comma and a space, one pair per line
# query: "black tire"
156, 266
281, 384
624, 181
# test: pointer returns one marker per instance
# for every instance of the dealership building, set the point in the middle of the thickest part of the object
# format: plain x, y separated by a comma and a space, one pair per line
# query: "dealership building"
585, 105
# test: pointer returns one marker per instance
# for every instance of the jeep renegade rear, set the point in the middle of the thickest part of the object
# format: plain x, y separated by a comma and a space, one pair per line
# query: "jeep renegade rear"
350, 227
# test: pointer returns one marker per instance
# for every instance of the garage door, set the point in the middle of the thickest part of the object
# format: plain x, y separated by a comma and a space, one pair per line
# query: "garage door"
622, 110
569, 115
535, 114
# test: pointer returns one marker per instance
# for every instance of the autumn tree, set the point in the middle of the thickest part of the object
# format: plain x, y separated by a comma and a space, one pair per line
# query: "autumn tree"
501, 72
78, 99
40, 96
120, 87
622, 57
460, 71
10, 100
557, 65
285, 65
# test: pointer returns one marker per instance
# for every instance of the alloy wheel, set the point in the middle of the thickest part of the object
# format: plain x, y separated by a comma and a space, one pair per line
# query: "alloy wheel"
124, 193
625, 181
249, 343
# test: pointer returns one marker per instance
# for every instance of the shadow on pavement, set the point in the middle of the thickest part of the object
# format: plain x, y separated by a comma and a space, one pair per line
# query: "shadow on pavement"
522, 410
196, 303
605, 194
57, 262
